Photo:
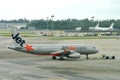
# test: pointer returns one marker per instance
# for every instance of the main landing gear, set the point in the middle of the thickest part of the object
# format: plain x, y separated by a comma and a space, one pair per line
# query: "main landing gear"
87, 56
54, 58
61, 58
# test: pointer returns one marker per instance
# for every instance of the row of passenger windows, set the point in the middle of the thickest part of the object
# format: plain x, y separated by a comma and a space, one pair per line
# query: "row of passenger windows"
82, 47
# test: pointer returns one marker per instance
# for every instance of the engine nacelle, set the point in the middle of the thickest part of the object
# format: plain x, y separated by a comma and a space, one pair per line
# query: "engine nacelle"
74, 55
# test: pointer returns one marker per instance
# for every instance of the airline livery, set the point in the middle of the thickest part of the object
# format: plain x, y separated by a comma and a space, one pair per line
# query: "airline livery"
56, 50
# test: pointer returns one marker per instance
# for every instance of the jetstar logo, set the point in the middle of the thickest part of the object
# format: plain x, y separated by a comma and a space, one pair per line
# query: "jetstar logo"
71, 48
18, 39
65, 48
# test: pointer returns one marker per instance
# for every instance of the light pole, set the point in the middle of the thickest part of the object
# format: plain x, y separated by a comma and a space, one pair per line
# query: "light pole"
52, 23
92, 23
92, 20
47, 22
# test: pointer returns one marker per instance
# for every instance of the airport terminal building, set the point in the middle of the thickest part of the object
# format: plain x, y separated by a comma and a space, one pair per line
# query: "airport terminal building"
4, 26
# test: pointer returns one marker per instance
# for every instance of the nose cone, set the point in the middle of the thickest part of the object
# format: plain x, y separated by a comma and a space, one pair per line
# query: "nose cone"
96, 51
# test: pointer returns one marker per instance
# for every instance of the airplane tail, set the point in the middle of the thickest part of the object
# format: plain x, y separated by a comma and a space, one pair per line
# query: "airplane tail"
111, 26
97, 25
18, 42
17, 39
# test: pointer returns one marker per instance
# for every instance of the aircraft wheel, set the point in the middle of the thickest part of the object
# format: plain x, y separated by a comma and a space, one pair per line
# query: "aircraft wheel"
61, 58
113, 57
107, 57
54, 57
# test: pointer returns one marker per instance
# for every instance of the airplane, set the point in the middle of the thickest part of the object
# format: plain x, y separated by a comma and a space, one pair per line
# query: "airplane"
78, 29
56, 50
93, 28
97, 28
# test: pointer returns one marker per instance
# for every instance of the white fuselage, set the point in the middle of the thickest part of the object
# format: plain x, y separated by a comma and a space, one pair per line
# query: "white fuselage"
41, 49
102, 29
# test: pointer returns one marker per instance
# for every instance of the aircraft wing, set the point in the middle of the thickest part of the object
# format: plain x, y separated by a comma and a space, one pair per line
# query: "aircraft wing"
66, 53
60, 52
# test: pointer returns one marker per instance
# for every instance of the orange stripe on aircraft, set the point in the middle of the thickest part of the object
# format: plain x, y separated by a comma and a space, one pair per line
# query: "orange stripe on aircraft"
72, 48
28, 47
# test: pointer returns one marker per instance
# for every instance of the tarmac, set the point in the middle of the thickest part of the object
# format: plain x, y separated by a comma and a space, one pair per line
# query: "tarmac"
21, 66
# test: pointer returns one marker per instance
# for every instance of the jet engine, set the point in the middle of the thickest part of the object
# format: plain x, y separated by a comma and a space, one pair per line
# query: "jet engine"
74, 55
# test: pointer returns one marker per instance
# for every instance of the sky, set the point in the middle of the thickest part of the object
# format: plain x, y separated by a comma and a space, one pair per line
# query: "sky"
61, 9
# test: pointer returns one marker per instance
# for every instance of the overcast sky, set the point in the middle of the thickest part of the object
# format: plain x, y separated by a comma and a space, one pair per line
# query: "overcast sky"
61, 9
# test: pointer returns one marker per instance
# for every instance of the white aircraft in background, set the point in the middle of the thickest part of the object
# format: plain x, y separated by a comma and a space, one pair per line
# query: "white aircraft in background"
56, 50
97, 28
78, 29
